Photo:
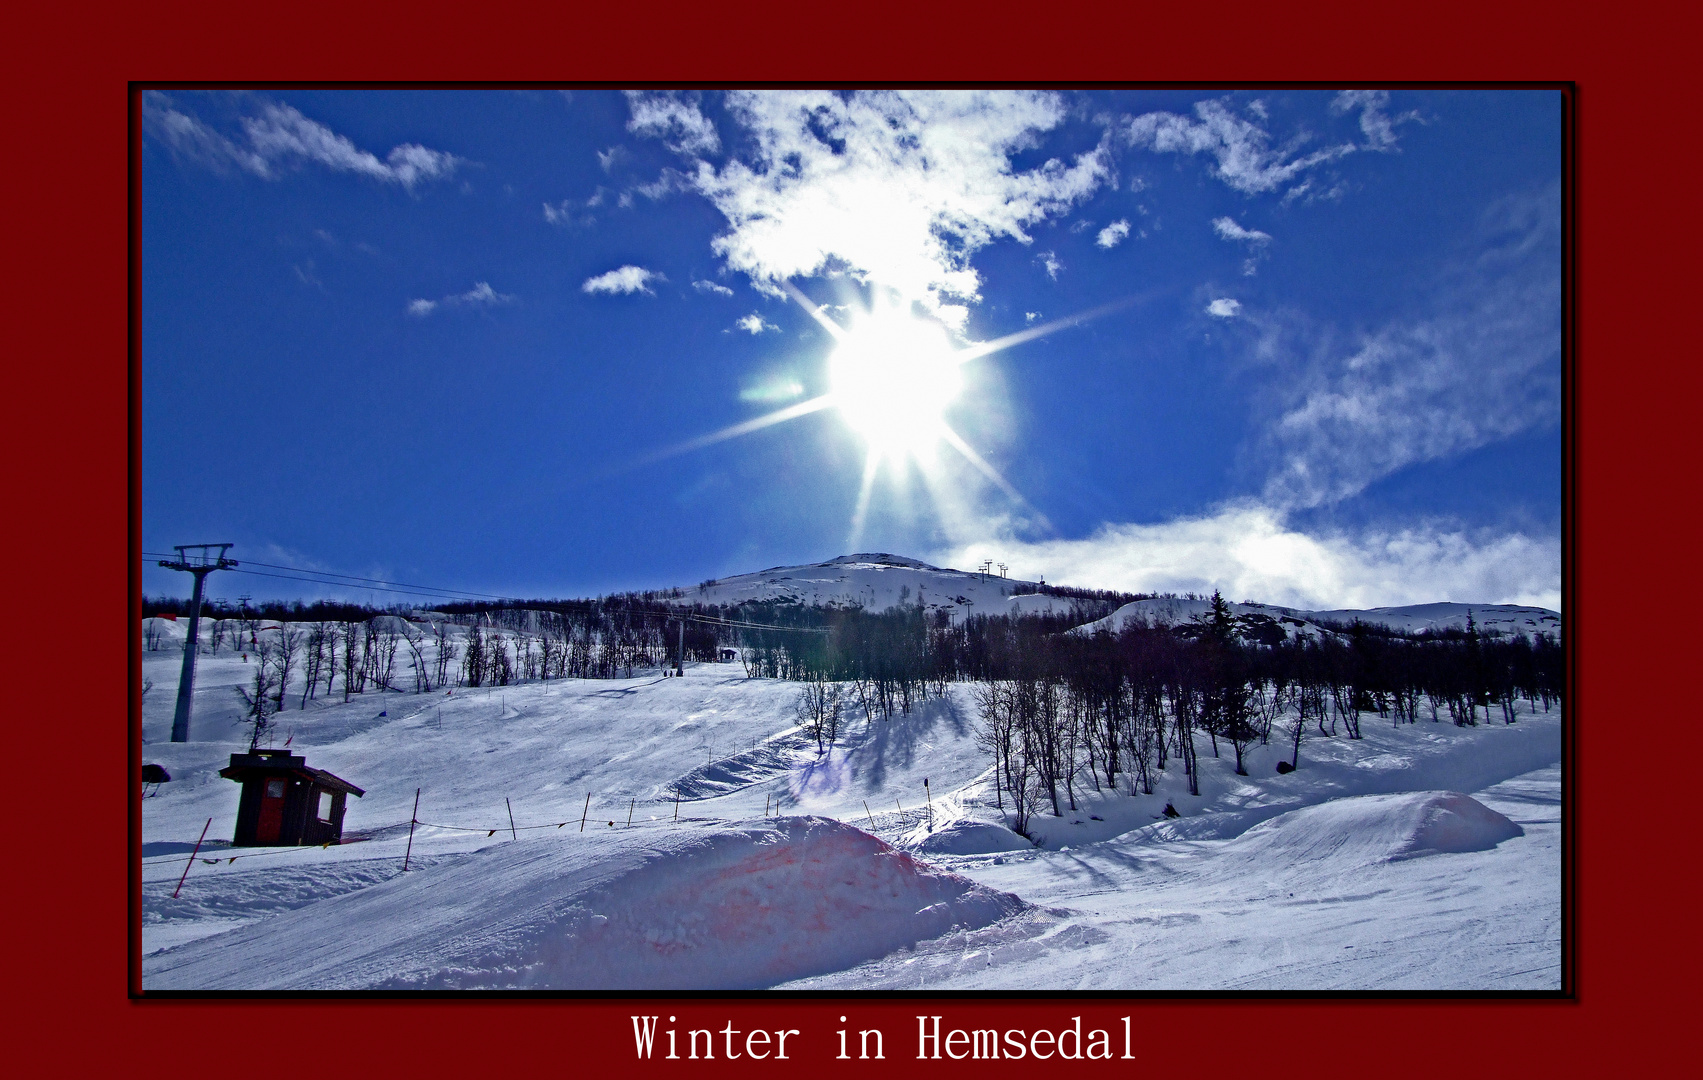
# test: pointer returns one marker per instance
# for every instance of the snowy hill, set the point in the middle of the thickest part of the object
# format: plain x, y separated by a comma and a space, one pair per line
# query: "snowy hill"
876, 581
1294, 623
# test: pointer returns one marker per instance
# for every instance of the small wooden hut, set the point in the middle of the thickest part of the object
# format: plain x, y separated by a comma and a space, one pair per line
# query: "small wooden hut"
285, 802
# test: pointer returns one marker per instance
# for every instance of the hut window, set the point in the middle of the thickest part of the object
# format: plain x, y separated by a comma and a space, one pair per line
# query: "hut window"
325, 806
274, 789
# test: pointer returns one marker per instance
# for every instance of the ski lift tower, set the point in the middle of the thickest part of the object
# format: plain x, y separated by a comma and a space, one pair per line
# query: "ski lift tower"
200, 564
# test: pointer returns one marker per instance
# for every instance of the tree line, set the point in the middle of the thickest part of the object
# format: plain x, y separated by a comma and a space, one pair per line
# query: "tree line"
1060, 712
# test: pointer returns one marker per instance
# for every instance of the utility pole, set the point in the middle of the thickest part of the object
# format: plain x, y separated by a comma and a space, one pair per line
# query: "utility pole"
200, 565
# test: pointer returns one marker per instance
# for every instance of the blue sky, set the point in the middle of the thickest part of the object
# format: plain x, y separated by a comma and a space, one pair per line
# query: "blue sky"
488, 339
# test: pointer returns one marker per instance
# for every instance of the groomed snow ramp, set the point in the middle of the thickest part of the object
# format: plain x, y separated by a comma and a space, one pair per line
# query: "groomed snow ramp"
693, 908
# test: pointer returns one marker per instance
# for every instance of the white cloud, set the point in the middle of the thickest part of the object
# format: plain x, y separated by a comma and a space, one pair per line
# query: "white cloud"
712, 287
1227, 229
1378, 127
1250, 552
1113, 235
480, 295
1050, 263
281, 135
1242, 150
673, 118
897, 188
559, 215
626, 279
1224, 307
1031, 316
753, 324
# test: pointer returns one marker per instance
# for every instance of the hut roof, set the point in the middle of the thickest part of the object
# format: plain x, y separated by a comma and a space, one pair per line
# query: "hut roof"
283, 763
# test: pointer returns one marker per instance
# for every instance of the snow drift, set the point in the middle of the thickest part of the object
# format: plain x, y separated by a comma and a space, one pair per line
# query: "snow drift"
721, 907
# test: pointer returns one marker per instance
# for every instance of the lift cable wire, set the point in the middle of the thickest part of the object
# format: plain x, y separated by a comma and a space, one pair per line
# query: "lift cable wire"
380, 585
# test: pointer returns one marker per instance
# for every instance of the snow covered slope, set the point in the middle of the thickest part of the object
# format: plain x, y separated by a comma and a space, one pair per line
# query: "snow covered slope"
877, 581
1507, 619
708, 907
1424, 890
1421, 855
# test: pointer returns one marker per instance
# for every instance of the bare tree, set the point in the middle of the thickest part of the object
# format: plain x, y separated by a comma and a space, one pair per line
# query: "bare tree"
353, 667
446, 650
313, 653
289, 640
260, 702
818, 710
415, 639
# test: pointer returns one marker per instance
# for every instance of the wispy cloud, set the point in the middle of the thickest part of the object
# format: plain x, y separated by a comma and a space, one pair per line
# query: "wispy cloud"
1256, 241
1224, 307
280, 136
1114, 234
626, 279
897, 188
1241, 149
1249, 551
712, 287
480, 295
615, 155
1483, 366
672, 117
1050, 263
1375, 124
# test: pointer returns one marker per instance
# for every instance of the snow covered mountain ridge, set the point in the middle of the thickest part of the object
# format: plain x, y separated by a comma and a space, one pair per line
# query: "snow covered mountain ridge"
877, 581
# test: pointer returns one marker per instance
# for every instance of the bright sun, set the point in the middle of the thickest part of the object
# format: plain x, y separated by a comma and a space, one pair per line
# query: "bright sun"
893, 377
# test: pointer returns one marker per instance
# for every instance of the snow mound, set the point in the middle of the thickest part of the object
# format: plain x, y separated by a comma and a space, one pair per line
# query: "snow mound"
971, 838
1456, 822
716, 908
1379, 828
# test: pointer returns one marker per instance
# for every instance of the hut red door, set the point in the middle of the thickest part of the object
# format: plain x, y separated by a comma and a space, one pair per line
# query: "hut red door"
271, 812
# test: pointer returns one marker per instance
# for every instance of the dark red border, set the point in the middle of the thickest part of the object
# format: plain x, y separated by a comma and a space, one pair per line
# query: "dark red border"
71, 480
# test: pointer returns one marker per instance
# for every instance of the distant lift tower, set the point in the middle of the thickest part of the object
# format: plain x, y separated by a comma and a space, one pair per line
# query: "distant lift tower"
200, 564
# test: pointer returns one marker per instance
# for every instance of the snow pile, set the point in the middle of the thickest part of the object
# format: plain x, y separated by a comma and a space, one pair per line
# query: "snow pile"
716, 908
1378, 828
968, 837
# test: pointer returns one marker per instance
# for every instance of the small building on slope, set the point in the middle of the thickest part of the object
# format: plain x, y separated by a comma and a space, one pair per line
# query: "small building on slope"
284, 802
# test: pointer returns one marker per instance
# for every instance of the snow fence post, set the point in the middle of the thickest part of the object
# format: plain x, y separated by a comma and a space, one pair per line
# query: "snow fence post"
413, 819
192, 855
930, 799
870, 816
630, 806
584, 811
510, 806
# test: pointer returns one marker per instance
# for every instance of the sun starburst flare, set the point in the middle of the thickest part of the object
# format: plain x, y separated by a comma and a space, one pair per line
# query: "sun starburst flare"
892, 378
